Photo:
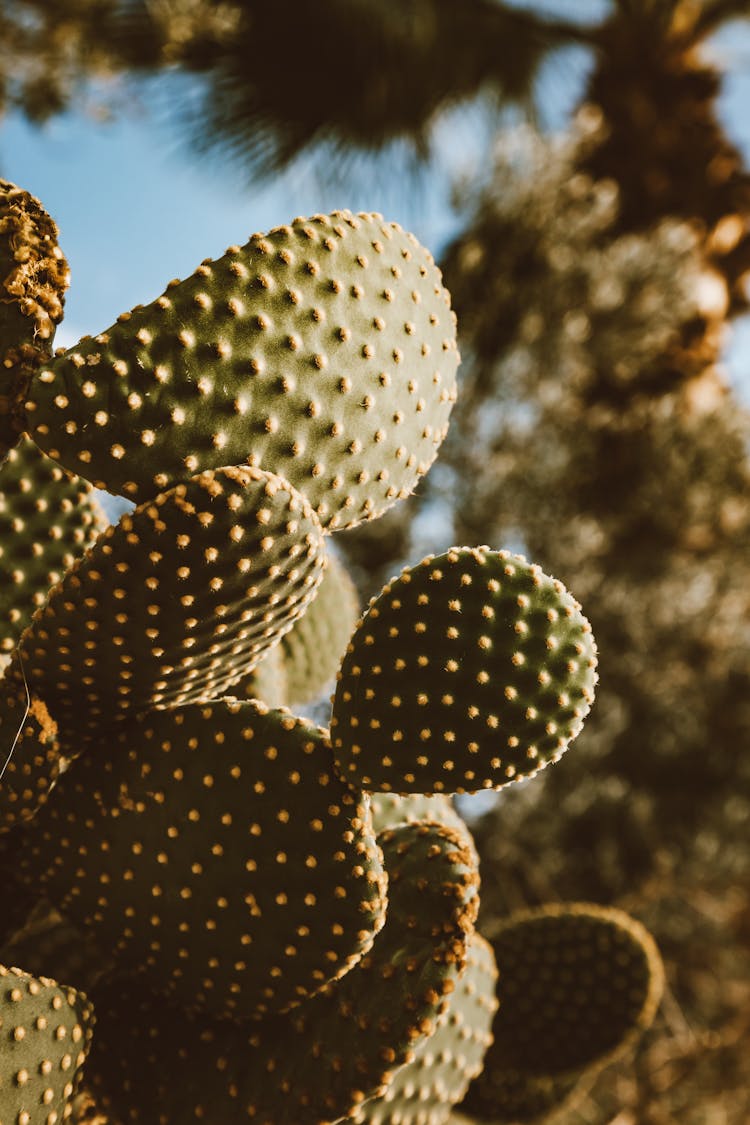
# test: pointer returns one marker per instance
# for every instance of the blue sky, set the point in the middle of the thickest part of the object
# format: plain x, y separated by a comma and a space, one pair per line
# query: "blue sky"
135, 207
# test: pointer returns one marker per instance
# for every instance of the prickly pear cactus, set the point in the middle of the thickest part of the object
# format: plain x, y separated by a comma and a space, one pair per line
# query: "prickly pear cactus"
467, 672
325, 348
189, 808
305, 663
443, 1064
275, 920
174, 603
329, 1055
313, 648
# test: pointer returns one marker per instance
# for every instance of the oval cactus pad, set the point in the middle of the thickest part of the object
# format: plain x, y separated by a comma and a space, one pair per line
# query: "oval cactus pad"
177, 601
153, 1064
325, 349
225, 858
467, 672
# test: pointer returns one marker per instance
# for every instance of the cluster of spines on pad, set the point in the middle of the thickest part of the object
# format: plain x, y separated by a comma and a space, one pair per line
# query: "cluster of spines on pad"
255, 883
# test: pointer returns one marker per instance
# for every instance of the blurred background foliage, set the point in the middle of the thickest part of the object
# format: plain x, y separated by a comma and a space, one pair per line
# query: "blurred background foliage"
595, 277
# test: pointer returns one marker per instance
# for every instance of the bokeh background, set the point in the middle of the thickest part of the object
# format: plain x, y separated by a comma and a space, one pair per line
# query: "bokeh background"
581, 171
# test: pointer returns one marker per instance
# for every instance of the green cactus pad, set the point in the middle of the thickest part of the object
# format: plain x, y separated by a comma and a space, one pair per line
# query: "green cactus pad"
33, 278
578, 983
29, 752
324, 349
224, 857
424, 1090
47, 520
176, 601
45, 1033
390, 809
152, 1064
467, 672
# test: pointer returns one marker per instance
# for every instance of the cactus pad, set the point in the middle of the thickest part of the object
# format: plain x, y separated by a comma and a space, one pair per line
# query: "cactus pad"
324, 349
45, 1033
578, 983
151, 1064
176, 601
468, 671
224, 857
47, 520
424, 1090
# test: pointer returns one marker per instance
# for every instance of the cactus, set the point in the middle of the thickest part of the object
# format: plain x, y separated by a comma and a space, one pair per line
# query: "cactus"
189, 807
175, 602
324, 1058
46, 1032
325, 348
47, 520
444, 1064
275, 933
578, 984
469, 671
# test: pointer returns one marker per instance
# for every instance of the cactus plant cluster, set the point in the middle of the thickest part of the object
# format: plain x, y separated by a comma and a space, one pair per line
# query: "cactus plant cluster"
278, 918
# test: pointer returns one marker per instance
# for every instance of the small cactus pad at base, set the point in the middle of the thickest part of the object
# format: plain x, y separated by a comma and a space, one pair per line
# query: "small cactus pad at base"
45, 1033
33, 278
176, 601
577, 984
29, 750
424, 1090
390, 809
153, 1065
224, 858
324, 349
467, 672
47, 520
